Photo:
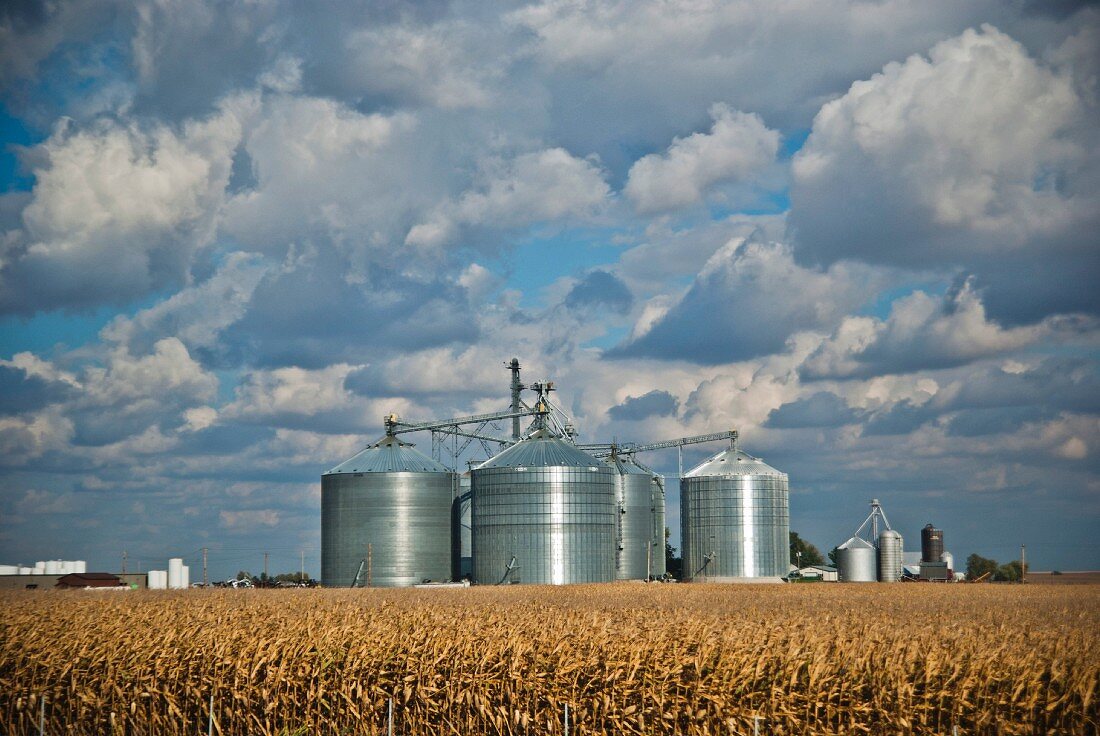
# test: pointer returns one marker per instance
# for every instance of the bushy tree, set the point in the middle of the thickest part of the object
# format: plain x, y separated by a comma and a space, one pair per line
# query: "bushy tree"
1010, 572
976, 566
811, 555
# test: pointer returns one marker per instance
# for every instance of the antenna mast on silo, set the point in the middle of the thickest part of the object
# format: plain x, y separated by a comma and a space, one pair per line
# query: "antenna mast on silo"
876, 514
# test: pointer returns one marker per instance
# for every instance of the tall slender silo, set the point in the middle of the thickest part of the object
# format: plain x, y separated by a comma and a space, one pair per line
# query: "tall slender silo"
734, 519
640, 532
889, 556
857, 561
396, 500
543, 512
462, 558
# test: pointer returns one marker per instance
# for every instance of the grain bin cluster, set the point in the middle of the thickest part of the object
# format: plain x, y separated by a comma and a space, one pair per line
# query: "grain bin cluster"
542, 508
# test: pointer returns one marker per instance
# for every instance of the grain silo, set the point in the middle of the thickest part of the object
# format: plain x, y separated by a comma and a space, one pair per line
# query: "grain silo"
640, 532
857, 561
385, 518
734, 519
543, 511
931, 544
462, 560
889, 556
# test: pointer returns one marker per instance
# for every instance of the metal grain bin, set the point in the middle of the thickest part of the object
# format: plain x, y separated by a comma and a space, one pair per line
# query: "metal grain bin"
734, 519
931, 544
398, 501
857, 561
889, 556
640, 532
462, 559
543, 512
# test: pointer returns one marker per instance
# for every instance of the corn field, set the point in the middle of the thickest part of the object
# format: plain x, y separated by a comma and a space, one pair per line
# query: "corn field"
625, 658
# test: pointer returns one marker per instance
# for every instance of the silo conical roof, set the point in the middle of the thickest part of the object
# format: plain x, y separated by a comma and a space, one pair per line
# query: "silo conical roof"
627, 465
856, 543
542, 449
732, 461
389, 455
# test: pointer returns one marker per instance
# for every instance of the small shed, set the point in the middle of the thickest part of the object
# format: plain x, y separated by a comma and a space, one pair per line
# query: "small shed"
825, 573
89, 580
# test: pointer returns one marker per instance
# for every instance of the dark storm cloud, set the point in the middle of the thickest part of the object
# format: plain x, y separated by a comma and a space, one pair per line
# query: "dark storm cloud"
1000, 420
600, 288
20, 392
653, 404
901, 418
1061, 383
822, 409
313, 317
746, 302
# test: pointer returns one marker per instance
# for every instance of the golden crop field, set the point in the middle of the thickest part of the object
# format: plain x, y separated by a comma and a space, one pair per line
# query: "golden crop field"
625, 658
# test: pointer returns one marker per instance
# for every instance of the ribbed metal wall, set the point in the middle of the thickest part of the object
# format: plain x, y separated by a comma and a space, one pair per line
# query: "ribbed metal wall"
857, 561
398, 501
735, 506
640, 533
659, 562
889, 556
462, 556
548, 505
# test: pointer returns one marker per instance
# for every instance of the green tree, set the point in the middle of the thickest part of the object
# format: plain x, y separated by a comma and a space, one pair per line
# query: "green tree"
673, 564
1008, 572
976, 566
811, 555
832, 555
243, 575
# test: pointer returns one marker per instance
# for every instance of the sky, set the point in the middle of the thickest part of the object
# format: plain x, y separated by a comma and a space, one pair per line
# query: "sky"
234, 235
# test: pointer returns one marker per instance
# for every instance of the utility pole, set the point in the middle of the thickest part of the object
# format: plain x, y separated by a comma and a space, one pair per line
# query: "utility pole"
302, 575
265, 569
205, 581
1023, 562
123, 562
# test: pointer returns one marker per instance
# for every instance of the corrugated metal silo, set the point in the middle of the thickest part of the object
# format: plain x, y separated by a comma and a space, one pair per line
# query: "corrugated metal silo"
543, 512
640, 533
856, 561
397, 500
462, 558
734, 519
889, 556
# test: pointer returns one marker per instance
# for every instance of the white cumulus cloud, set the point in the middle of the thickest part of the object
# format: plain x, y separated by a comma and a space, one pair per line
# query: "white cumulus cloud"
738, 146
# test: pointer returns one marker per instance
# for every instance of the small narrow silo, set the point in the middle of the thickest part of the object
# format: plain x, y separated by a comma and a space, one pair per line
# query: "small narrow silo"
857, 561
462, 558
543, 511
386, 518
640, 532
734, 519
889, 556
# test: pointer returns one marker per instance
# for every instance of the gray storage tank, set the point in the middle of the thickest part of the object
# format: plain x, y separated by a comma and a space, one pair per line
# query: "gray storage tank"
857, 561
543, 511
734, 519
889, 556
640, 532
398, 501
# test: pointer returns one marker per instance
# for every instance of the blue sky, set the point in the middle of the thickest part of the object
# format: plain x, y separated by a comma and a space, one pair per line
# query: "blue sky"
232, 237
